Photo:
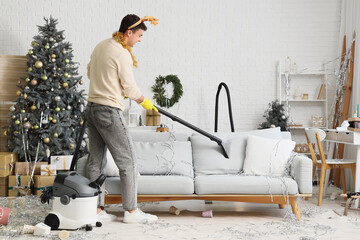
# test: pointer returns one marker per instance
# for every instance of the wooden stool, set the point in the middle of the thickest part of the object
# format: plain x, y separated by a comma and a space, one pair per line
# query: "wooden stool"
348, 202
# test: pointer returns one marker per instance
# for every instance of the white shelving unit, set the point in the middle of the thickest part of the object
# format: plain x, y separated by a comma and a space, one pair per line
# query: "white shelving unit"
300, 111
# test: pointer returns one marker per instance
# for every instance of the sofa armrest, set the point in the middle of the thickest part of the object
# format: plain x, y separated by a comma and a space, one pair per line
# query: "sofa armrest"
301, 171
81, 166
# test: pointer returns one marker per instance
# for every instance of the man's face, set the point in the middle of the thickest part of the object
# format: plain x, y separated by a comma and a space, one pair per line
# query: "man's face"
134, 37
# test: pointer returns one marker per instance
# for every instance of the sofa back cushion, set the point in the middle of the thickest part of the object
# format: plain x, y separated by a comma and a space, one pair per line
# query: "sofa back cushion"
164, 158
158, 158
266, 156
208, 157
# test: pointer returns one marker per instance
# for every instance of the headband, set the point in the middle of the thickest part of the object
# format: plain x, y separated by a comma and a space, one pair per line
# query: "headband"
146, 18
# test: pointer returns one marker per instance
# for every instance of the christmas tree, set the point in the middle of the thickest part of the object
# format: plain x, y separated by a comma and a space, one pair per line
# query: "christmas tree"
49, 112
275, 116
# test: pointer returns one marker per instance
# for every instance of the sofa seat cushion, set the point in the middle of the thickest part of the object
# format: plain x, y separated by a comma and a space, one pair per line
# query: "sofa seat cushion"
155, 185
209, 159
240, 184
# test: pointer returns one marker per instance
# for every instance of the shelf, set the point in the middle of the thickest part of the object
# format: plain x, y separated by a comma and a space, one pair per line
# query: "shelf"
305, 100
304, 73
295, 128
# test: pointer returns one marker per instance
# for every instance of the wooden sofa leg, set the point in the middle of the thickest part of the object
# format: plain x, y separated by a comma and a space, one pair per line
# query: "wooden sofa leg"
295, 207
281, 206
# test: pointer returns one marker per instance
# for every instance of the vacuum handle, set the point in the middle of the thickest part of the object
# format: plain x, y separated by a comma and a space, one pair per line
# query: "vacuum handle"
177, 119
78, 145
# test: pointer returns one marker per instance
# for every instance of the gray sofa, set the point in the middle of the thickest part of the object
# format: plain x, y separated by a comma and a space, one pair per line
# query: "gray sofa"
179, 166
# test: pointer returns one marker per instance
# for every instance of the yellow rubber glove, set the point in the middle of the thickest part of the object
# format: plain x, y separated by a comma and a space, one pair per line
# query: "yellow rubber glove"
147, 104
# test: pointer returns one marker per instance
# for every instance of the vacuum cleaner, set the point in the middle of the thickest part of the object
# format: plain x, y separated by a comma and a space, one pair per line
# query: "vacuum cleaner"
74, 198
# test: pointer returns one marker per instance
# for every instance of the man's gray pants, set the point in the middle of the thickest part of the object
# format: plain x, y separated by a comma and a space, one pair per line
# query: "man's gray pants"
107, 129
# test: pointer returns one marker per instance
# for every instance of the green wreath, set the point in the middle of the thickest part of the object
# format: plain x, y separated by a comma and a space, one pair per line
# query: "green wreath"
159, 91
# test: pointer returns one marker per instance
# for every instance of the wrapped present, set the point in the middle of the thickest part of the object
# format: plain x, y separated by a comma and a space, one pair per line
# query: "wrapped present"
4, 183
61, 162
19, 185
7, 161
25, 168
152, 118
48, 170
42, 183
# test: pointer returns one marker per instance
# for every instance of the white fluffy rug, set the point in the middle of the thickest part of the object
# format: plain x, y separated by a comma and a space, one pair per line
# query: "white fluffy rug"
230, 221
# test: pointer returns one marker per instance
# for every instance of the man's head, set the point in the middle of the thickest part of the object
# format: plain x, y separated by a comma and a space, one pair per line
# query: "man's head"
134, 34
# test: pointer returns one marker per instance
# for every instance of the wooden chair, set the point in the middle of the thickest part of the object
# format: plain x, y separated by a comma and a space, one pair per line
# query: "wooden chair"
315, 136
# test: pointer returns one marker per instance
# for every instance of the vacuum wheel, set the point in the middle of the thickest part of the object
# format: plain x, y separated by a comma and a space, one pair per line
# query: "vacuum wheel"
53, 221
98, 224
88, 227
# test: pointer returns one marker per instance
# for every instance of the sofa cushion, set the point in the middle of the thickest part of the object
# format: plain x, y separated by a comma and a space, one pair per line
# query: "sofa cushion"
208, 157
240, 184
155, 185
164, 158
266, 156
141, 136
158, 158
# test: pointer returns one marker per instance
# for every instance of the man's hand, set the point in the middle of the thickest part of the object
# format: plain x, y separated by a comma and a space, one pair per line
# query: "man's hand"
147, 104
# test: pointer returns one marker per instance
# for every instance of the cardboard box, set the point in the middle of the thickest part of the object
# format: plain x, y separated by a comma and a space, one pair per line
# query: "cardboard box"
48, 170
25, 168
41, 183
19, 186
7, 161
4, 183
61, 162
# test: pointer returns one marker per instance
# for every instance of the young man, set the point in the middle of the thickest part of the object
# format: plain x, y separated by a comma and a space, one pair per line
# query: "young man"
111, 81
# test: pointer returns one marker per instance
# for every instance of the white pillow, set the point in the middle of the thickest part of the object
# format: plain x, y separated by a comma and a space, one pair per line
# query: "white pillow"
266, 156
110, 169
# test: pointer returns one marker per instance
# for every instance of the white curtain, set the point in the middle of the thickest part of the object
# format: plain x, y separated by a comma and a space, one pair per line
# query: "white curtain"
350, 23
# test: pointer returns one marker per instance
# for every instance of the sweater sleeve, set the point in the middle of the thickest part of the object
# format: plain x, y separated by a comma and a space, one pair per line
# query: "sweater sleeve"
126, 76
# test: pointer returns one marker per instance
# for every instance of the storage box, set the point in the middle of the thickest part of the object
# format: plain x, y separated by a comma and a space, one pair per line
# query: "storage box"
25, 168
7, 161
19, 186
41, 183
61, 162
4, 183
48, 170
152, 118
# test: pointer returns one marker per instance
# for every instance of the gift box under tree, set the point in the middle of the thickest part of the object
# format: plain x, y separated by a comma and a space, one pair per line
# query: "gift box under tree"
20, 185
42, 183
7, 161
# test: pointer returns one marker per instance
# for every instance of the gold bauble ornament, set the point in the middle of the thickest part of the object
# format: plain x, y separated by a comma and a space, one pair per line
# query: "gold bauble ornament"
63, 109
57, 109
53, 120
33, 82
25, 95
53, 55
5, 133
56, 135
46, 140
65, 85
27, 125
71, 146
39, 64
33, 107
81, 82
18, 92
81, 122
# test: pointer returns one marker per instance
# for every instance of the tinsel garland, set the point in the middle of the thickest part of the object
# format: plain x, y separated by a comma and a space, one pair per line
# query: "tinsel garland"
159, 91
119, 37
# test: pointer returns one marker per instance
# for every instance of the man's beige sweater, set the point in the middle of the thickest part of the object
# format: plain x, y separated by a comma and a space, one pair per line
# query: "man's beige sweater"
111, 76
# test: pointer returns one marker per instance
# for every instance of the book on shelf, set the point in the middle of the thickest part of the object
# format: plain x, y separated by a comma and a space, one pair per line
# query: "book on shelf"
321, 91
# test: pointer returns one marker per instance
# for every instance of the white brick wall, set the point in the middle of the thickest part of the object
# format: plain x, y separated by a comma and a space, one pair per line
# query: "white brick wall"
204, 42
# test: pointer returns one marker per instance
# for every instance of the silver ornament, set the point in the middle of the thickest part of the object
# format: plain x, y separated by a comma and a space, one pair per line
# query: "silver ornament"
53, 60
52, 89
68, 107
57, 98
83, 143
12, 108
27, 88
283, 117
81, 108
51, 39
